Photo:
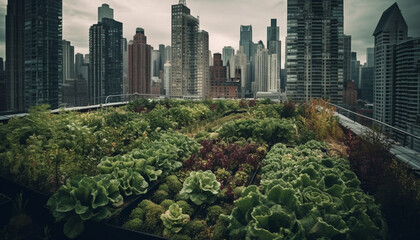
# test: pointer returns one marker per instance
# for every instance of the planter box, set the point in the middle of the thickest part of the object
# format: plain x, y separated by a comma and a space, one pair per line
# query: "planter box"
5, 209
36, 200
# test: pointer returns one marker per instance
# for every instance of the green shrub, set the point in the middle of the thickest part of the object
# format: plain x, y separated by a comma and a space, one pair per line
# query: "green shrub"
166, 203
135, 224
186, 208
137, 213
213, 213
159, 196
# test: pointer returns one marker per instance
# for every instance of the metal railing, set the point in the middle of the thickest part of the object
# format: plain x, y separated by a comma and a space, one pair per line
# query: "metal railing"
402, 132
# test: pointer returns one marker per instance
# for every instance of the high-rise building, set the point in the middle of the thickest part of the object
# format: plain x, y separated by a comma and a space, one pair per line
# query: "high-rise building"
227, 53
354, 69
34, 52
105, 12
407, 87
106, 60
3, 103
168, 54
347, 59
139, 69
314, 50
203, 64
15, 91
274, 73
221, 86
155, 61
187, 46
390, 30
43, 53
125, 65
79, 61
261, 69
240, 66
273, 32
370, 57
274, 51
366, 88
167, 77
68, 61
246, 40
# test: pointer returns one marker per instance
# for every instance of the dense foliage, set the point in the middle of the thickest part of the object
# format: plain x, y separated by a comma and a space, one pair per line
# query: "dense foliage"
84, 199
269, 130
103, 159
306, 195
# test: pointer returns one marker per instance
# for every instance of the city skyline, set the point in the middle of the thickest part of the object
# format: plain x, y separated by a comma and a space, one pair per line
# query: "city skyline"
154, 17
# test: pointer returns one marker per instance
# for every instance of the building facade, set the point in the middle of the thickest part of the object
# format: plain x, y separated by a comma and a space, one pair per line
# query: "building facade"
34, 49
106, 60
227, 54
407, 87
347, 59
274, 52
68, 61
314, 50
245, 40
139, 60
390, 30
189, 54
184, 51
3, 103
15, 97
203, 64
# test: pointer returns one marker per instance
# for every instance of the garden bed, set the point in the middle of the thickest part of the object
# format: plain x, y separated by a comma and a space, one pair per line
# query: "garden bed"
190, 170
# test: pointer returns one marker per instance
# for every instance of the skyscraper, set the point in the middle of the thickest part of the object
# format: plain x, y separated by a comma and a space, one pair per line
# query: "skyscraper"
125, 65
227, 53
106, 60
274, 52
186, 44
240, 66
14, 84
314, 54
407, 88
355, 69
139, 69
203, 64
390, 30
347, 59
261, 69
68, 61
3, 103
105, 12
34, 53
246, 40
43, 53
370, 57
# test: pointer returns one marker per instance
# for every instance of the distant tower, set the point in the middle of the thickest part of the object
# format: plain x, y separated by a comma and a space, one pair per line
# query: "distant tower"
139, 55
185, 44
106, 59
391, 30
183, 2
315, 50
105, 12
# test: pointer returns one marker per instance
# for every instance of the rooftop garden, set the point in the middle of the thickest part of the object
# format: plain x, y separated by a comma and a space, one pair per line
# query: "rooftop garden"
228, 169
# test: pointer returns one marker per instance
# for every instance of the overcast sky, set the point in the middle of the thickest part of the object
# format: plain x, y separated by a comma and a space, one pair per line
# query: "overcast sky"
221, 18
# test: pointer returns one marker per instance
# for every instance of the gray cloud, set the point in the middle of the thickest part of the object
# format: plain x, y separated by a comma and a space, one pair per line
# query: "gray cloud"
220, 18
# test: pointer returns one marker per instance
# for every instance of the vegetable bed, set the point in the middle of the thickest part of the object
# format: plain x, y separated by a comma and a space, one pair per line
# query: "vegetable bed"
186, 170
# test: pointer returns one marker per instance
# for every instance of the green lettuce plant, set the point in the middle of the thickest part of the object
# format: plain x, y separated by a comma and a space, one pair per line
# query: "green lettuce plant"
200, 187
131, 182
87, 198
306, 194
173, 220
